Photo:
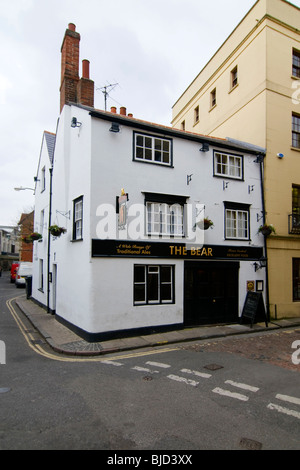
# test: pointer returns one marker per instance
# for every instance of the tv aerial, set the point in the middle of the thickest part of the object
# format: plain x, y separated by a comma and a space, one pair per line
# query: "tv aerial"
105, 90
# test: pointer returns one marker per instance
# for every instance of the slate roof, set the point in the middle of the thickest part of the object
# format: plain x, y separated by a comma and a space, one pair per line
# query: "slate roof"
50, 141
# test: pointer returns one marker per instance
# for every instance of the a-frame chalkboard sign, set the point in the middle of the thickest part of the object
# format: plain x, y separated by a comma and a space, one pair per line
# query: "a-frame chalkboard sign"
254, 308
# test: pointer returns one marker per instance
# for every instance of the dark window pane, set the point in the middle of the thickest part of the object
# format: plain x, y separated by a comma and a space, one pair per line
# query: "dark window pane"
139, 293
165, 274
166, 292
153, 287
139, 274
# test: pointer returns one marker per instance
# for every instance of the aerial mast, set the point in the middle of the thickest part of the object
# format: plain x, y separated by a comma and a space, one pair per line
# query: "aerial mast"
104, 90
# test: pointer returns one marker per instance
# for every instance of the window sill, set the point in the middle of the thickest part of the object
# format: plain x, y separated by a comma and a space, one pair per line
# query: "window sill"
233, 88
296, 149
151, 162
77, 240
212, 108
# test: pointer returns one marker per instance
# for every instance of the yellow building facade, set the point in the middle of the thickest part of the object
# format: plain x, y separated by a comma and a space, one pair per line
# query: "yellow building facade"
250, 91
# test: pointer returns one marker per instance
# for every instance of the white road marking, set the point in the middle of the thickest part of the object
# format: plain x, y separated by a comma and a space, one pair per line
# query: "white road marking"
195, 372
286, 411
183, 379
158, 364
227, 393
113, 363
144, 369
294, 400
241, 385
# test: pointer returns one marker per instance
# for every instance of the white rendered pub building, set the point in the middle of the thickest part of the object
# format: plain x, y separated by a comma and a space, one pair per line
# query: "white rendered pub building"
132, 197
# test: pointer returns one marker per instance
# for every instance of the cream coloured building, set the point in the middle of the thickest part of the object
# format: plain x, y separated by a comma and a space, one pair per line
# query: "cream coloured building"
250, 91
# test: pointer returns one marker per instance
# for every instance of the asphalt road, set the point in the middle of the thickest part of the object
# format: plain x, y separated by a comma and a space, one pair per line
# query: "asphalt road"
241, 393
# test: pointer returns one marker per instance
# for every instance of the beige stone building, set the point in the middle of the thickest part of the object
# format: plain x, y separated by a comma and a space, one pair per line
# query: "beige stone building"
250, 91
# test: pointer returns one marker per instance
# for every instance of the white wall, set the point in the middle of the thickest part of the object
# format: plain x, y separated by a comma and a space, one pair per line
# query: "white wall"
96, 294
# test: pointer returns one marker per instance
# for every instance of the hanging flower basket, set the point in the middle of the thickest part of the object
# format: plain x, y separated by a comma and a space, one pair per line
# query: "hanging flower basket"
205, 224
35, 236
56, 231
26, 239
31, 238
266, 230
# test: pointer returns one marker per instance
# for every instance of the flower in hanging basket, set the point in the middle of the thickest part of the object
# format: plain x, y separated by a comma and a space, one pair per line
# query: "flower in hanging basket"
205, 224
56, 231
26, 239
35, 236
266, 230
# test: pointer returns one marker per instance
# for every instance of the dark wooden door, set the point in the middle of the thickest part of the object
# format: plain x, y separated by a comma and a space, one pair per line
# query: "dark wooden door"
210, 293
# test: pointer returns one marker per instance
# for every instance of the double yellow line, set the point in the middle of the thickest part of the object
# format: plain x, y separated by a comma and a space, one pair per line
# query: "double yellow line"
39, 350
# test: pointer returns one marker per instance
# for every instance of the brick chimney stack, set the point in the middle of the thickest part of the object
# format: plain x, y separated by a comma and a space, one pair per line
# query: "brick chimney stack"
73, 89
85, 88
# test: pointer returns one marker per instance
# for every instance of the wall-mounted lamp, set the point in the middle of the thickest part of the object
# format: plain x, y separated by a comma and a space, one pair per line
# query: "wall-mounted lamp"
114, 127
205, 147
261, 264
35, 179
225, 185
75, 123
251, 188
188, 179
280, 155
259, 159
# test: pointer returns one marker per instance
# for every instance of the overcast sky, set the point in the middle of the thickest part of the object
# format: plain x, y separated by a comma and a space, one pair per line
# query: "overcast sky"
152, 49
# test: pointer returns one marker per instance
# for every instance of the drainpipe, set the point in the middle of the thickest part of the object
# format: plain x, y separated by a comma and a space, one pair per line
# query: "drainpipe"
260, 159
49, 238
49, 224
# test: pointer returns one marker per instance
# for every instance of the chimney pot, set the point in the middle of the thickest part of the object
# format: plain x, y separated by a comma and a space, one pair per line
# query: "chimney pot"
113, 109
130, 115
72, 27
85, 68
123, 111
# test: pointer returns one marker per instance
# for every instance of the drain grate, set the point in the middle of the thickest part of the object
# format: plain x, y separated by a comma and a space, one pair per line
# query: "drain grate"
250, 444
213, 367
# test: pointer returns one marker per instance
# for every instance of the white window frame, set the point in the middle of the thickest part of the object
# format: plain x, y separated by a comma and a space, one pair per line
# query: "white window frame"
152, 149
154, 271
163, 218
228, 165
237, 224
41, 275
78, 218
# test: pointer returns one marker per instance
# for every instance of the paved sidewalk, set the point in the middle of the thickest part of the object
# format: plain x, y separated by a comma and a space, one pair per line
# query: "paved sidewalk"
64, 341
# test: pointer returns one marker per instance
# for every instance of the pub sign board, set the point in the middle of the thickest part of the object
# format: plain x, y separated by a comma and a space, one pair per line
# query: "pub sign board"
254, 308
151, 249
